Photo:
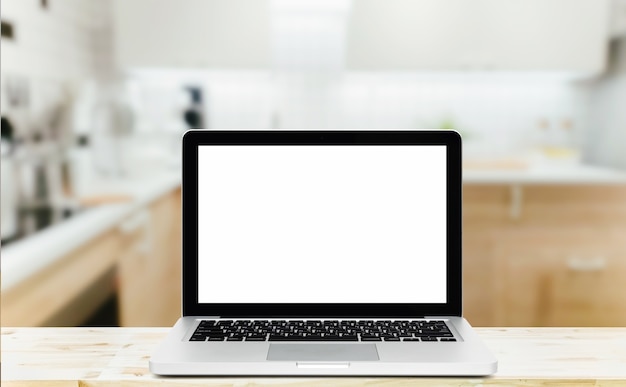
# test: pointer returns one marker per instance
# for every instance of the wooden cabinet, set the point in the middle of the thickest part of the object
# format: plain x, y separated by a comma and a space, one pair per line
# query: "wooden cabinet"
67, 292
484, 210
560, 262
511, 35
139, 260
149, 267
560, 276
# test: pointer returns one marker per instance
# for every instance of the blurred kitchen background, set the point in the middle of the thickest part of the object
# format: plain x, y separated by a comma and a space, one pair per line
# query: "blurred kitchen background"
96, 94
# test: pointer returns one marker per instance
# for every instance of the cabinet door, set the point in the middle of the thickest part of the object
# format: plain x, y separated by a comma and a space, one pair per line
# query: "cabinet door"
137, 295
478, 274
618, 18
149, 269
167, 228
407, 34
559, 35
566, 277
513, 35
192, 33
485, 210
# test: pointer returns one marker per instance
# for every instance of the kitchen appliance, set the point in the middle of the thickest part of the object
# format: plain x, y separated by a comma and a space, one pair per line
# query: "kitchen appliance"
35, 144
8, 194
194, 113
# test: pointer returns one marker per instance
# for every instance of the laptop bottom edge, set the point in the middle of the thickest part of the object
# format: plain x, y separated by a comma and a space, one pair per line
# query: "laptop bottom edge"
468, 356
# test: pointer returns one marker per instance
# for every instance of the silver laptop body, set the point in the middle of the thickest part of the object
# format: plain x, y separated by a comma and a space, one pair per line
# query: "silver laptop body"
322, 253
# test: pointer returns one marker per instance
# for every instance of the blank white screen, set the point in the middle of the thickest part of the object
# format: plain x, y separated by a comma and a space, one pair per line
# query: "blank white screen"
322, 224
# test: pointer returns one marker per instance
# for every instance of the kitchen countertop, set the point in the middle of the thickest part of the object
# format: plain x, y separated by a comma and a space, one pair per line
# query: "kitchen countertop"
115, 356
544, 174
26, 257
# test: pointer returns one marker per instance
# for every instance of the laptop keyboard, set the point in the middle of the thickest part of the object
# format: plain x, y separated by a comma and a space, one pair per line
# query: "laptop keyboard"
318, 330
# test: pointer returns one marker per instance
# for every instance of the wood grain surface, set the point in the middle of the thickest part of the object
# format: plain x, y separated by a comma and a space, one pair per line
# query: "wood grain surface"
59, 357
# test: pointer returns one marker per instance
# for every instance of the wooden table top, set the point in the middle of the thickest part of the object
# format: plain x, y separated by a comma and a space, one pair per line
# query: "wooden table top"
87, 357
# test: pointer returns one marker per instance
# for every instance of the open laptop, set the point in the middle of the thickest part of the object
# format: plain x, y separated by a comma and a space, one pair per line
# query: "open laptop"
322, 253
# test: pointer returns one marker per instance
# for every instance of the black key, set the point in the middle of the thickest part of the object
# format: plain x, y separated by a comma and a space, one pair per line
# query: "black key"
411, 339
211, 330
255, 335
447, 339
255, 338
198, 338
370, 338
348, 338
429, 338
342, 338
235, 338
216, 338
392, 339
286, 338
313, 338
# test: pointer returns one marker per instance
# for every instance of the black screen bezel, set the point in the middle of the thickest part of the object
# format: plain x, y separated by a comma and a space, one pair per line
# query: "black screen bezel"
195, 138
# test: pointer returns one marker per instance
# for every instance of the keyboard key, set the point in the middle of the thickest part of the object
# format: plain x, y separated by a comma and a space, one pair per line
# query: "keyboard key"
313, 338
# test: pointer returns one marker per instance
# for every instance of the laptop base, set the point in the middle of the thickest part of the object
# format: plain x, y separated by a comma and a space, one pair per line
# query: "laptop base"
179, 356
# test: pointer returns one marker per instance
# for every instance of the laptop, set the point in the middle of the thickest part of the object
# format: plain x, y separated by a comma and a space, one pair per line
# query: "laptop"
322, 253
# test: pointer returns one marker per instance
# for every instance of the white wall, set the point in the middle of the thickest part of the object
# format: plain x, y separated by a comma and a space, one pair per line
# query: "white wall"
60, 42
504, 110
53, 52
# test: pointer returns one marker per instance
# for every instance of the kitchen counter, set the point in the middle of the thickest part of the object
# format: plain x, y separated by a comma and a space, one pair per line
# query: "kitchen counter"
114, 356
24, 258
542, 174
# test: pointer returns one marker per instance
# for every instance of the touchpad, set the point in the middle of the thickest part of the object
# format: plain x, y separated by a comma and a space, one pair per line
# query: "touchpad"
322, 352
